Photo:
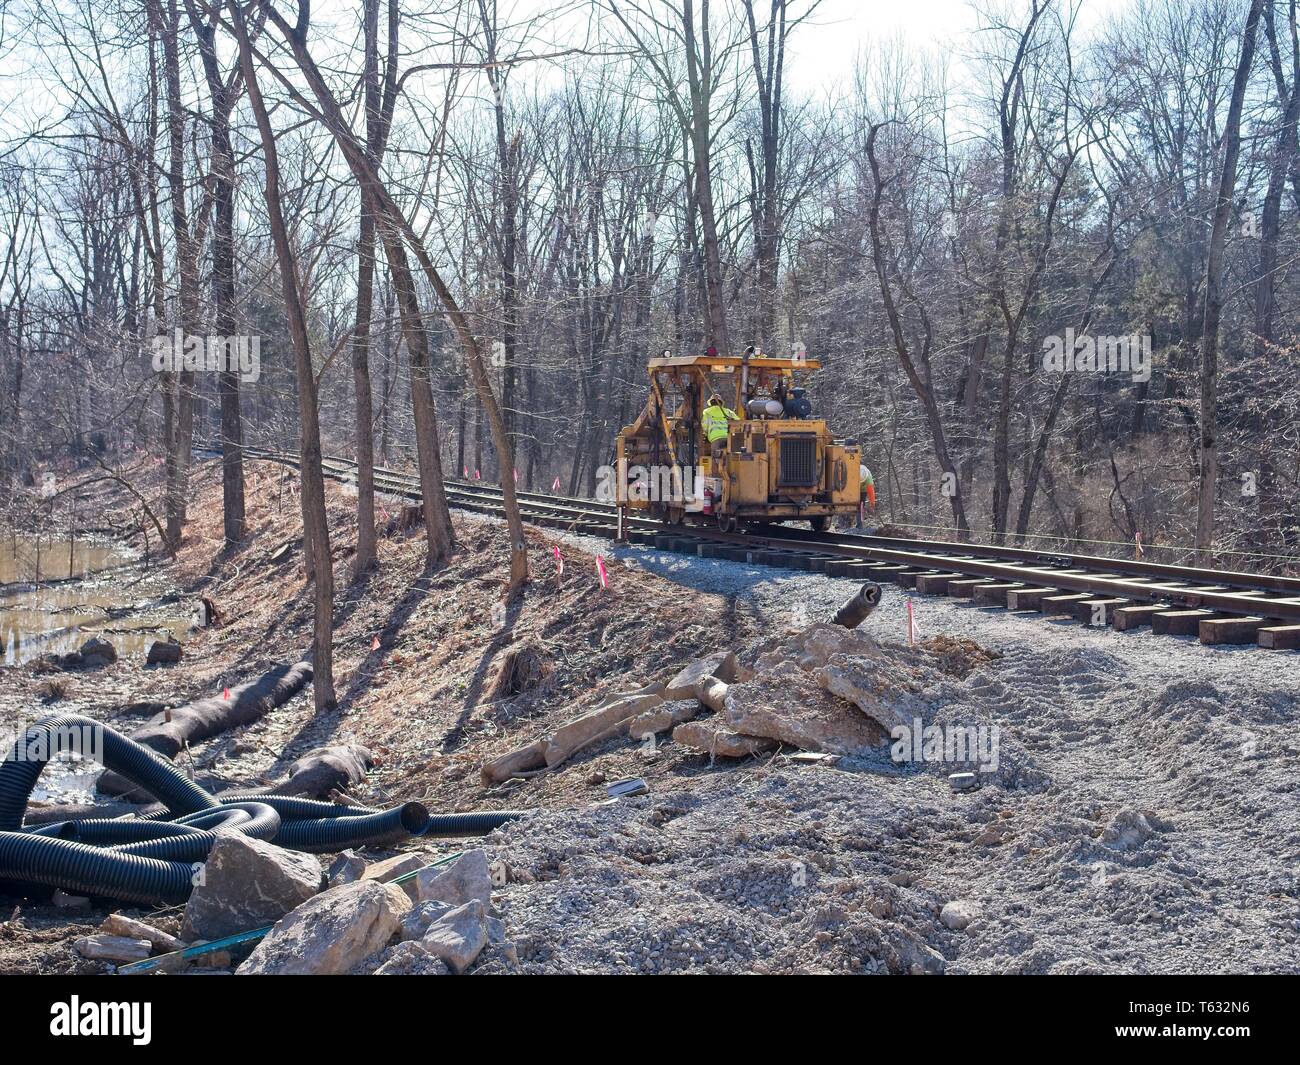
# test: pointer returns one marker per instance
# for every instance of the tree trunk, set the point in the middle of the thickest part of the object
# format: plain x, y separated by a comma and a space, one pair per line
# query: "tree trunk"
316, 536
224, 93
1214, 292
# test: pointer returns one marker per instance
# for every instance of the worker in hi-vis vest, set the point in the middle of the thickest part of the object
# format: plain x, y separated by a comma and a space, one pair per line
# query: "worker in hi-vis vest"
868, 485
715, 420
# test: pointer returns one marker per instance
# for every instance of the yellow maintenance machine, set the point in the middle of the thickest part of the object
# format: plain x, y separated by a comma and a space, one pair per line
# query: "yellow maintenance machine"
775, 463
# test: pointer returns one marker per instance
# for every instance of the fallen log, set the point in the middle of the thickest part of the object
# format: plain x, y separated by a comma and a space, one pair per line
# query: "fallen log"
600, 723
169, 732
326, 769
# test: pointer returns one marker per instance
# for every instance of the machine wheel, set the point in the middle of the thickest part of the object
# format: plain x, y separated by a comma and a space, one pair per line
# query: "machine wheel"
728, 523
674, 516
820, 524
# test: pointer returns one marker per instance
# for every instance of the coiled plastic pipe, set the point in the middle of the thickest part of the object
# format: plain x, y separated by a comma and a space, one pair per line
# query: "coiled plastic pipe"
156, 860
61, 733
339, 833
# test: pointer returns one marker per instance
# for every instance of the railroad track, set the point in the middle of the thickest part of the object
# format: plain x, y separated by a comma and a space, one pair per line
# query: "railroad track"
1218, 606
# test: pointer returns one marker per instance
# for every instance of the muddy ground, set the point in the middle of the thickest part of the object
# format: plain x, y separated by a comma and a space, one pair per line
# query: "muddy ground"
1143, 817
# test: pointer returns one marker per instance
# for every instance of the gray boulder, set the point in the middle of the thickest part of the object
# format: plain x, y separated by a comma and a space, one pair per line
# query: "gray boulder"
346, 868
331, 933
247, 883
459, 936
422, 915
465, 879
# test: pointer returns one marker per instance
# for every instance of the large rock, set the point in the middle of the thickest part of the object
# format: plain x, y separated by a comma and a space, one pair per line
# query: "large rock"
958, 914
422, 915
466, 879
390, 869
867, 684
686, 684
784, 703
332, 932
459, 936
163, 652
347, 868
97, 652
718, 741
247, 883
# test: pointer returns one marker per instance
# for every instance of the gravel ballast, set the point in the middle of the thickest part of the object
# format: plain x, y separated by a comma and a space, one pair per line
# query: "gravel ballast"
1142, 818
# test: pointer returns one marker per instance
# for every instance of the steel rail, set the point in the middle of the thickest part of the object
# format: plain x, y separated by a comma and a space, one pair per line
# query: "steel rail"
1223, 591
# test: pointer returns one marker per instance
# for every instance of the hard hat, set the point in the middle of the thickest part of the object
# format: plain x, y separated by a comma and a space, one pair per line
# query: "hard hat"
715, 398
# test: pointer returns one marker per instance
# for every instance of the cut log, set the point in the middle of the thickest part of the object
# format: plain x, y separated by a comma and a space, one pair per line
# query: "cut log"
327, 769
599, 724
169, 732
520, 760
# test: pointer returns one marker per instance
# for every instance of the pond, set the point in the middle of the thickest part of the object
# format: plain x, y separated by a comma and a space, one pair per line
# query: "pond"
86, 587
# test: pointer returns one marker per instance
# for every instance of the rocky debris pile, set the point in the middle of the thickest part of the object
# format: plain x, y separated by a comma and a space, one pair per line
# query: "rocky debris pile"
440, 921
825, 689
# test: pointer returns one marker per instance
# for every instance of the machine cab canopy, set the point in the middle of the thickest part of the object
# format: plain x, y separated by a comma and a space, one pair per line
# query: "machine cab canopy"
734, 378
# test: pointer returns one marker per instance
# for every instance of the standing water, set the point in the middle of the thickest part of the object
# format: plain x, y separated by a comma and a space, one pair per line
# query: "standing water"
54, 593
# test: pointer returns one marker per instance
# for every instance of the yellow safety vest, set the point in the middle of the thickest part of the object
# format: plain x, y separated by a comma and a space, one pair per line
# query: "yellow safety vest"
715, 422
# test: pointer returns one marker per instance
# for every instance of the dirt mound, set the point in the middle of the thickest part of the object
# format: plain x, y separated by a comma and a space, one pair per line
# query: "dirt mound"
957, 656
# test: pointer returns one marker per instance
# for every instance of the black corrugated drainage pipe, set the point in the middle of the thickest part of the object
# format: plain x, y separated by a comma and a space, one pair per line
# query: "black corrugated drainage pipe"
151, 860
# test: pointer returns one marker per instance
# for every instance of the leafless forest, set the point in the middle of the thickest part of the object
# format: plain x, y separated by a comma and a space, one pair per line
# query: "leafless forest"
454, 231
